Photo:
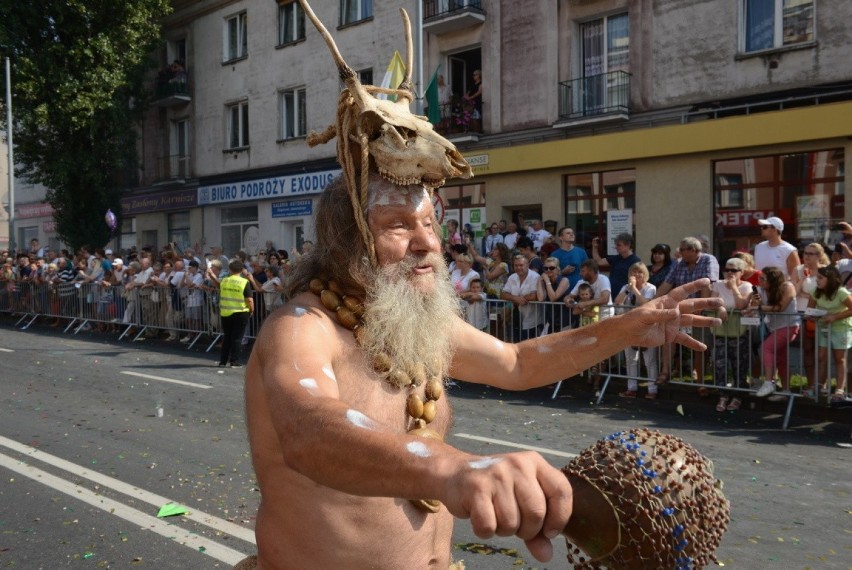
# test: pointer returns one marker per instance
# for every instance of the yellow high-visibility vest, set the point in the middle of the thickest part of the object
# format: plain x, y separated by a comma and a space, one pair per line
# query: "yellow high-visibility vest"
231, 298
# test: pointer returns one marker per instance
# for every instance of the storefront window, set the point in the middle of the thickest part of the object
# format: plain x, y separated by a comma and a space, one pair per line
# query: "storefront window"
803, 189
179, 229
466, 205
589, 196
240, 230
127, 239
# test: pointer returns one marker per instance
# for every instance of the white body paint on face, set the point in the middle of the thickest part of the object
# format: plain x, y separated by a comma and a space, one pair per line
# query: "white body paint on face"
485, 462
327, 370
384, 193
310, 385
418, 448
358, 419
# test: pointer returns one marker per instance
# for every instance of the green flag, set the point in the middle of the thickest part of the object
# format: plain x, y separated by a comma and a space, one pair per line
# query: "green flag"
432, 99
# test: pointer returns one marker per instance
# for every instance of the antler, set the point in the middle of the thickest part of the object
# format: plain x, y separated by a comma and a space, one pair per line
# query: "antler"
345, 71
406, 84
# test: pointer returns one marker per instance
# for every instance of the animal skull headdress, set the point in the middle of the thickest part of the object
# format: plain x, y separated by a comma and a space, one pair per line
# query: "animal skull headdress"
384, 136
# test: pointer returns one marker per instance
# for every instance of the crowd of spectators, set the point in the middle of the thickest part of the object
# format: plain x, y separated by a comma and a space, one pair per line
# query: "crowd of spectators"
518, 281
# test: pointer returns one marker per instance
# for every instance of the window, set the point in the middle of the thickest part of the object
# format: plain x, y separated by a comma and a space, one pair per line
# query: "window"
239, 229
293, 123
236, 37
179, 229
589, 196
806, 190
291, 22
605, 51
179, 159
466, 205
770, 24
365, 76
352, 11
127, 239
238, 125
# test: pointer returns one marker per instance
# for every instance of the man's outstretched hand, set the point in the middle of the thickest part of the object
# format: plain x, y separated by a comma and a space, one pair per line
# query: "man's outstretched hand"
660, 321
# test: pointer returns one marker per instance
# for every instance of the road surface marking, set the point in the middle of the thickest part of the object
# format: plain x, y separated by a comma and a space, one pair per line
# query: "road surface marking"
162, 527
517, 445
6, 350
161, 379
157, 501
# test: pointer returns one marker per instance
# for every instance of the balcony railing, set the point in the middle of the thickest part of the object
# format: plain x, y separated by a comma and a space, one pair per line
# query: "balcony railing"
172, 89
442, 16
173, 167
595, 95
459, 118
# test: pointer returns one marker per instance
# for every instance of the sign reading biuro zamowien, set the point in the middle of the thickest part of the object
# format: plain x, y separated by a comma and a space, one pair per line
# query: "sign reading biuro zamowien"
265, 188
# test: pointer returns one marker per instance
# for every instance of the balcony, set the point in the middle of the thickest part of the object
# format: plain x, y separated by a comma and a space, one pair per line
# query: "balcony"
443, 16
172, 168
172, 88
460, 123
596, 98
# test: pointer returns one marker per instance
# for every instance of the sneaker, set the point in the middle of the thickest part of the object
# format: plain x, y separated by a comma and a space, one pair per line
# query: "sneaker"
777, 398
651, 396
628, 394
723, 404
186, 339
234, 365
734, 405
765, 389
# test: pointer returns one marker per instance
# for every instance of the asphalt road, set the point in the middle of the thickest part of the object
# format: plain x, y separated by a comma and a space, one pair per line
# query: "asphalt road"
86, 463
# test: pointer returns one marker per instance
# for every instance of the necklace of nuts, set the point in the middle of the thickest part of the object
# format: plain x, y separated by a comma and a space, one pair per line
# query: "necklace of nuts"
349, 311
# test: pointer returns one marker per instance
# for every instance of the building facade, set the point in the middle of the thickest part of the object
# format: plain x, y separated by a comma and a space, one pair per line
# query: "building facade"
662, 118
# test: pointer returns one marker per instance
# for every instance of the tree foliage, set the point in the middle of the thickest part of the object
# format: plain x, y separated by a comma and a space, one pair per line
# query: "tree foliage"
78, 71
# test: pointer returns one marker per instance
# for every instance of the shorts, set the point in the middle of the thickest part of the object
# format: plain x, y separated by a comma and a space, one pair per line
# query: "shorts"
840, 340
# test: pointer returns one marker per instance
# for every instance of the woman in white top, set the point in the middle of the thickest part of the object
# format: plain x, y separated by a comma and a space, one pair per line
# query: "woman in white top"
731, 343
636, 293
804, 277
272, 289
463, 274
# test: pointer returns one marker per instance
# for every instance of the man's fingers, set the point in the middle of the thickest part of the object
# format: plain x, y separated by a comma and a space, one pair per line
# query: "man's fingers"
540, 547
560, 501
684, 291
689, 342
482, 516
705, 304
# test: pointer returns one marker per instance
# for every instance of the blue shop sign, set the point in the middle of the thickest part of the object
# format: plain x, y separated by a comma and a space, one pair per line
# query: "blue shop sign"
292, 208
290, 185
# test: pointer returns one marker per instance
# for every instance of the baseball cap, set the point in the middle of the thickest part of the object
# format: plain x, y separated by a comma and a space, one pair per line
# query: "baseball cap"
108, 252
118, 261
772, 221
193, 263
844, 227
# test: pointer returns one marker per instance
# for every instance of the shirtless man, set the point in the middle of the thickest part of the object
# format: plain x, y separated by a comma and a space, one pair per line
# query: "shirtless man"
336, 466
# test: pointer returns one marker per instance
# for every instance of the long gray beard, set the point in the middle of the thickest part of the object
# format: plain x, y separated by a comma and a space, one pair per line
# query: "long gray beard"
409, 326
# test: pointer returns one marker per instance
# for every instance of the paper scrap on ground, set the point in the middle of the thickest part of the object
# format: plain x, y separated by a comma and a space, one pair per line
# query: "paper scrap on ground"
171, 510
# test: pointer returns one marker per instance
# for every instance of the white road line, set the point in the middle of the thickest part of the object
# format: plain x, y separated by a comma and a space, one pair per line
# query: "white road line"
147, 522
158, 501
6, 350
161, 379
517, 445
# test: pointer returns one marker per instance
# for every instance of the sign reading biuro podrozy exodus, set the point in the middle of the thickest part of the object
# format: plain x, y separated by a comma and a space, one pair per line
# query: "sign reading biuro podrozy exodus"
266, 188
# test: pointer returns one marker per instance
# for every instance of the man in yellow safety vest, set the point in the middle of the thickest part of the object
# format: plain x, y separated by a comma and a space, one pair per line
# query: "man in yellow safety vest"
236, 305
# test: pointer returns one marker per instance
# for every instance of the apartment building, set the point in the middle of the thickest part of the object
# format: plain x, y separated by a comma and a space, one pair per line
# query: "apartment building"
665, 118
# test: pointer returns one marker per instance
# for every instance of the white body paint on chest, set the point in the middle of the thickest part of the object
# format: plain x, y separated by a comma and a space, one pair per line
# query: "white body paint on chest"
358, 419
310, 385
418, 448
327, 370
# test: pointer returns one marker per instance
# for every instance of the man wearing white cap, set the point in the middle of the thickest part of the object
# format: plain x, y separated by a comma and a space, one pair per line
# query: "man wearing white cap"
774, 251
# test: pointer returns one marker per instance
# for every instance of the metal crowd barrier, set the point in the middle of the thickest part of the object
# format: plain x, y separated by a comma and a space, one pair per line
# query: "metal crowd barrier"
732, 364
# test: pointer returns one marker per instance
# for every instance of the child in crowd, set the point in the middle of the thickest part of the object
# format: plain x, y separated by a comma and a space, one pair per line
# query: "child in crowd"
475, 309
590, 314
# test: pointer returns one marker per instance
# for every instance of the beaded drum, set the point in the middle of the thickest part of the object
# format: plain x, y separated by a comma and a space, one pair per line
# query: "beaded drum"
643, 499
